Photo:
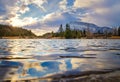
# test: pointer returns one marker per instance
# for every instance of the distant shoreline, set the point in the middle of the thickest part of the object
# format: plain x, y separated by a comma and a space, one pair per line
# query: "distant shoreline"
16, 37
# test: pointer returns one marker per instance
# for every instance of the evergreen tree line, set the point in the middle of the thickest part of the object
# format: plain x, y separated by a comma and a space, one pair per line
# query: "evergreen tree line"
119, 31
116, 31
6, 31
69, 33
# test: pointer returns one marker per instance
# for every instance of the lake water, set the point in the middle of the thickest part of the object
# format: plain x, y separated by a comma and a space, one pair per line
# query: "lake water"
39, 58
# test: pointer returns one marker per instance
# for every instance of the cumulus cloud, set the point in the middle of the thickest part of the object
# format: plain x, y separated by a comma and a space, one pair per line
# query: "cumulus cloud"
55, 19
38, 3
87, 3
10, 11
24, 9
101, 12
25, 21
63, 4
58, 18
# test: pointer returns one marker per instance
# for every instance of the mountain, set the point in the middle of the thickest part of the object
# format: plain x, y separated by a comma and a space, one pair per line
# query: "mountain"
10, 31
92, 27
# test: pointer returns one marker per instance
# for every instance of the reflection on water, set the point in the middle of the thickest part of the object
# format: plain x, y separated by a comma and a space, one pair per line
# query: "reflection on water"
50, 57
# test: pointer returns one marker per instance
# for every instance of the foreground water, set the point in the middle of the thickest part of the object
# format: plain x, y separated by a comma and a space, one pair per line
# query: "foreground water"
22, 59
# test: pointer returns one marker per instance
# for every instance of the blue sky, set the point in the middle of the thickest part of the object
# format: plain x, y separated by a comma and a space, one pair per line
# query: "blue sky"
43, 16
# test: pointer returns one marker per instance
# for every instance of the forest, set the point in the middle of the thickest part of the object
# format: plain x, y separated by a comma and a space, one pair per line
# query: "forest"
68, 33
10, 31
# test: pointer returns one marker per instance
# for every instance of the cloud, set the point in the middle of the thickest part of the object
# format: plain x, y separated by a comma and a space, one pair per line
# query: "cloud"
58, 18
10, 11
87, 3
22, 22
38, 3
55, 19
63, 4
100, 12
24, 9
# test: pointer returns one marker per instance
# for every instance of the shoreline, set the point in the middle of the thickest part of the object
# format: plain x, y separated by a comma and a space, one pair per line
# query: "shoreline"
113, 37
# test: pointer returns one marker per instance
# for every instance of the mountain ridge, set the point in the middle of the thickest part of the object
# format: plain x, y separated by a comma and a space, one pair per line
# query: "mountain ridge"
84, 26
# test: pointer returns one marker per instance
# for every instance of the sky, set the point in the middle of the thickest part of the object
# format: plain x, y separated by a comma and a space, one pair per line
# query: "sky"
43, 16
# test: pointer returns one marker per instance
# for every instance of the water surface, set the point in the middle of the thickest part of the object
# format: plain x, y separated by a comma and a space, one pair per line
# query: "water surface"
40, 58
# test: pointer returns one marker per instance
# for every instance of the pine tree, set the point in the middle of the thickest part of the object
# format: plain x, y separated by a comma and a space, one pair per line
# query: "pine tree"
84, 33
119, 31
115, 31
68, 32
61, 31
52, 34
99, 32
